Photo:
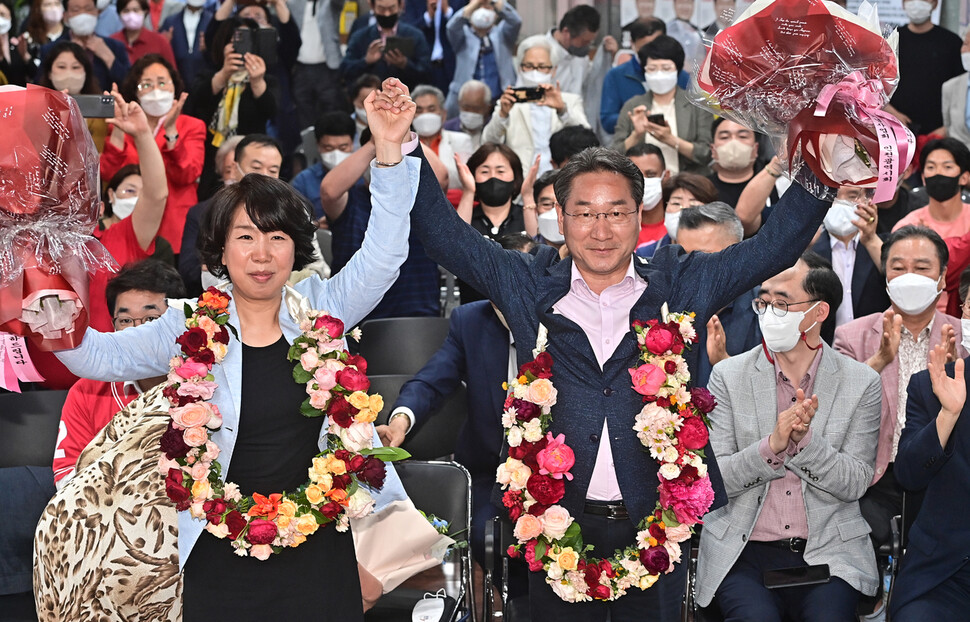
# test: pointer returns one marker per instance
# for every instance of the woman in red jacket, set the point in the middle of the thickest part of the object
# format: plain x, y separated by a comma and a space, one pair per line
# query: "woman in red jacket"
155, 84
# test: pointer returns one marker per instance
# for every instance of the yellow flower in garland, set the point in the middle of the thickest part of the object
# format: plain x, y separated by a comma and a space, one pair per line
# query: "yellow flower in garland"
306, 524
315, 494
359, 400
568, 559
376, 403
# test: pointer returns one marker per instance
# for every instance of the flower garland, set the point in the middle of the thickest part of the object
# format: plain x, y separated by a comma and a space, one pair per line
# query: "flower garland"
336, 383
672, 426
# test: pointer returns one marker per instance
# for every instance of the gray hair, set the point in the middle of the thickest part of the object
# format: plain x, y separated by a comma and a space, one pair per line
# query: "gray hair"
595, 160
228, 146
472, 85
717, 213
426, 89
535, 41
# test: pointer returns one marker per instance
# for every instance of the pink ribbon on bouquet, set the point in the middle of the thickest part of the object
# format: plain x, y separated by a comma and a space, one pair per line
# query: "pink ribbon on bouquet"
15, 363
897, 145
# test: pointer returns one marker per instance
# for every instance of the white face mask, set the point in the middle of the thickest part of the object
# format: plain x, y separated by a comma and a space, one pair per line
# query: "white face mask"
535, 78
83, 25
427, 124
471, 120
549, 227
4, 25
53, 14
103, 4
965, 337
210, 280
361, 116
122, 208
965, 58
482, 18
781, 334
661, 82
195, 4
734, 155
331, 159
671, 222
838, 220
913, 293
918, 11
157, 103
652, 192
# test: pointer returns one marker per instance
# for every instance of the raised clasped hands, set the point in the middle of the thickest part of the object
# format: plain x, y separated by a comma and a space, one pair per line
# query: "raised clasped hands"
793, 423
390, 112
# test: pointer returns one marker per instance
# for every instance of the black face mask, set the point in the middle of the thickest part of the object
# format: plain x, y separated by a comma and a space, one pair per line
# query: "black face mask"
941, 187
386, 21
494, 192
577, 50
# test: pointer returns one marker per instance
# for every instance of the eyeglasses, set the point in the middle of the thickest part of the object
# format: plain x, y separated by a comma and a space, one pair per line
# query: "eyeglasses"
546, 204
123, 322
778, 307
586, 219
531, 67
148, 85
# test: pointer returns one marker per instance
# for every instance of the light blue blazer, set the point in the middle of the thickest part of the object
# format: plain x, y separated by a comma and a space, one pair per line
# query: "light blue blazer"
145, 351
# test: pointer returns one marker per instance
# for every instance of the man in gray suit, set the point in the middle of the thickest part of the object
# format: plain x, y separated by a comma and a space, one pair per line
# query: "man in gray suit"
795, 432
955, 99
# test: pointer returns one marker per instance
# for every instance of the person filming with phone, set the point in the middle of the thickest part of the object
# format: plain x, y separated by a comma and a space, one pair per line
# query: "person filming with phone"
794, 431
529, 113
663, 116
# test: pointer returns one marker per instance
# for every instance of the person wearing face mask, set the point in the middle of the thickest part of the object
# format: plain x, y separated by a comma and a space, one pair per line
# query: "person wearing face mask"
542, 216
138, 39
849, 241
157, 87
346, 201
929, 55
626, 80
933, 450
650, 160
474, 111
680, 192
954, 95
483, 36
794, 432
335, 133
897, 344
428, 123
109, 59
685, 32
577, 72
433, 24
45, 24
734, 151
67, 67
14, 57
526, 127
945, 164
365, 49
187, 28
685, 134
361, 88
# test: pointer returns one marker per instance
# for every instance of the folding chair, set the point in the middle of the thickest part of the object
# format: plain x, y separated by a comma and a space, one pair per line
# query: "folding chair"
401, 345
442, 489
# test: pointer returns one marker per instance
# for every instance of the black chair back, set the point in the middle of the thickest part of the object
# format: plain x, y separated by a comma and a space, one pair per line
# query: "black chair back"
401, 345
440, 488
28, 427
439, 436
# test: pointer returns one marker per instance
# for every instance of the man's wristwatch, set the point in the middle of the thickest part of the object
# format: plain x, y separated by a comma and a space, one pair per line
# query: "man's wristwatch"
400, 414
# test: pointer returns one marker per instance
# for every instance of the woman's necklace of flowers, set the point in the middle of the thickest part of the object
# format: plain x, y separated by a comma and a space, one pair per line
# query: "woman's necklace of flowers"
336, 383
672, 425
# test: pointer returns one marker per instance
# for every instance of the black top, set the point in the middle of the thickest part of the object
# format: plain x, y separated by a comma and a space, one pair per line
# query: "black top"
274, 448
926, 61
730, 192
513, 223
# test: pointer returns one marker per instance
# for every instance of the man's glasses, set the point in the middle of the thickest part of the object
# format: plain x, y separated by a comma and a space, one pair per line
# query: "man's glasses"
122, 322
778, 307
586, 219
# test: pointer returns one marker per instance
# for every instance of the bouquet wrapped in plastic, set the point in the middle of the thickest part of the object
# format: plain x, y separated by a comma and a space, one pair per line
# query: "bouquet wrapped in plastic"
49, 208
814, 78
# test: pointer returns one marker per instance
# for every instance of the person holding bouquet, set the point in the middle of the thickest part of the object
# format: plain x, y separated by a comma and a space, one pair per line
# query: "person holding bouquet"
258, 231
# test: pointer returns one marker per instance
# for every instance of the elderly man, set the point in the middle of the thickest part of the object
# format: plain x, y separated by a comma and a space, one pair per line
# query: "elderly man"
711, 228
429, 123
794, 432
474, 111
897, 344
585, 302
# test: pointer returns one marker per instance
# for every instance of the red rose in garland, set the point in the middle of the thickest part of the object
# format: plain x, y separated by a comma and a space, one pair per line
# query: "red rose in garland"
352, 379
192, 341
545, 490
693, 433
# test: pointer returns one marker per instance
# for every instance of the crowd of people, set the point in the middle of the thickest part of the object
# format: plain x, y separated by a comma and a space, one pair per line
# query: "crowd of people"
831, 334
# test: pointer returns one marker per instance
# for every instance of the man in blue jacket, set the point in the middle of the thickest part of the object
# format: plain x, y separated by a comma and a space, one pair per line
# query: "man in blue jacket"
366, 49
586, 302
934, 579
626, 80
